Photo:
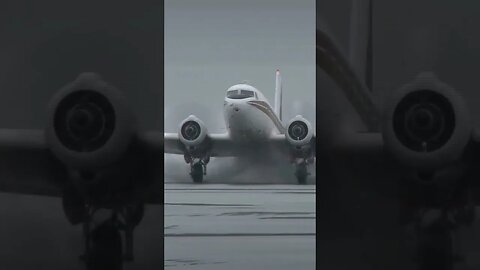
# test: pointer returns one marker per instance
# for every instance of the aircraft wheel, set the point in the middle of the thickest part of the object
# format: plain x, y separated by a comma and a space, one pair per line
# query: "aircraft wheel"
106, 248
197, 173
302, 180
301, 174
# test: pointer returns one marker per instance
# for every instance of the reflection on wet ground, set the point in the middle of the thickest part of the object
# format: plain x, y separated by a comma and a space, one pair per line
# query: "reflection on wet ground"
215, 226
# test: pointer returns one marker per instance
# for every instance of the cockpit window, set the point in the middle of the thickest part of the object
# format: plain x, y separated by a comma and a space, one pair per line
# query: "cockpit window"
246, 93
235, 94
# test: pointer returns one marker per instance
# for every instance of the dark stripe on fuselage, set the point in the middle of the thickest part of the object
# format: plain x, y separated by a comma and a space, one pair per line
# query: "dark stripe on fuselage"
265, 108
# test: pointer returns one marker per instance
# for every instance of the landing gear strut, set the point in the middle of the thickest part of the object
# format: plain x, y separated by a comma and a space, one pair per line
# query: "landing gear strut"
103, 242
198, 168
197, 172
104, 250
301, 172
435, 224
435, 240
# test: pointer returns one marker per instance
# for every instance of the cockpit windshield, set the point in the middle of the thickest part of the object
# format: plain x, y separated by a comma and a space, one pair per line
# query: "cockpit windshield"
240, 94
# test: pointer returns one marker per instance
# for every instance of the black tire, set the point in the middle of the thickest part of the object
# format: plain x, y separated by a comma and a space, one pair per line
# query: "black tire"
197, 173
302, 180
301, 174
106, 248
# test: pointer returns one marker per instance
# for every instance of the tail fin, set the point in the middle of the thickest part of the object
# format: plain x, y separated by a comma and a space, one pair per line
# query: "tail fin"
361, 20
278, 95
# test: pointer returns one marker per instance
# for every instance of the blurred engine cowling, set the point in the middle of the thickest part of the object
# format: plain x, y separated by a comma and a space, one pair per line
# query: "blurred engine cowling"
299, 131
426, 124
192, 132
89, 123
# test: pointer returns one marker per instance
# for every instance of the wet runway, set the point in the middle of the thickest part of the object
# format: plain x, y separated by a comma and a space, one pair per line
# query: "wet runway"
219, 226
207, 227
36, 235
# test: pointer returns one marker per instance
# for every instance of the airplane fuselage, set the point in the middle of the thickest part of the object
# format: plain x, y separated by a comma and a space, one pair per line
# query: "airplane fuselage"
248, 115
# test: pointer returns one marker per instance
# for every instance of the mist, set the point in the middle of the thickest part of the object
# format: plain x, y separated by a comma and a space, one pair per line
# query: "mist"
233, 170
207, 50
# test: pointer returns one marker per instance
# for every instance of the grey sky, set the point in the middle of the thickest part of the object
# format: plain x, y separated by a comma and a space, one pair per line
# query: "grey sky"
213, 44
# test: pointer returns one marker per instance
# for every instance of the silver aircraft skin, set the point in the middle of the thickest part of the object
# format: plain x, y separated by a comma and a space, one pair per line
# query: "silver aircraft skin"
244, 118
251, 124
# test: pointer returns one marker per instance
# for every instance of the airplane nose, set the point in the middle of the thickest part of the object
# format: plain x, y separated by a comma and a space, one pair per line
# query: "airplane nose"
233, 107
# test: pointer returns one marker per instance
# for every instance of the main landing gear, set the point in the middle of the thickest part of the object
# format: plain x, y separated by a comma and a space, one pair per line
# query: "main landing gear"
434, 233
436, 211
103, 242
102, 235
301, 171
103, 246
198, 167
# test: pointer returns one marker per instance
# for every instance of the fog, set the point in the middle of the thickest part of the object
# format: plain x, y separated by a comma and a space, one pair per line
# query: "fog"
210, 49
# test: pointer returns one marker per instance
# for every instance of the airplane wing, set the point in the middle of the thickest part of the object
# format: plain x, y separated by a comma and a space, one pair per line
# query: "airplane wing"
363, 143
26, 164
172, 144
366, 158
278, 141
223, 146
28, 167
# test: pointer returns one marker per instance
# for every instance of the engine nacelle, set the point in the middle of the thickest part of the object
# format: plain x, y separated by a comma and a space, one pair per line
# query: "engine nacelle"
89, 123
299, 131
192, 132
426, 124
